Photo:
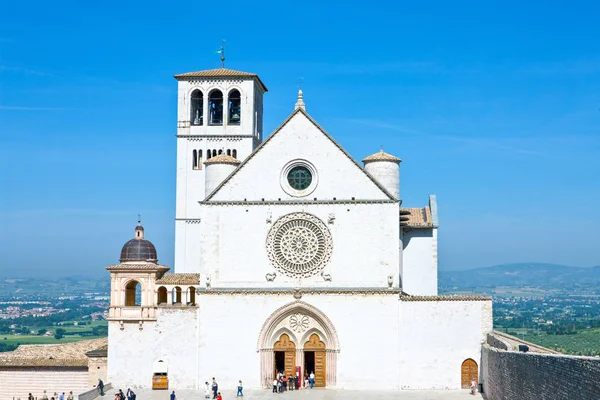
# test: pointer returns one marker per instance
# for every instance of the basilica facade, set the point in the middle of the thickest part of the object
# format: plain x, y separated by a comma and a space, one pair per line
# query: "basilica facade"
289, 256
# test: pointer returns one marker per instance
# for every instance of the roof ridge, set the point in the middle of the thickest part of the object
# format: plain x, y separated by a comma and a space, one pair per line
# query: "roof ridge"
277, 130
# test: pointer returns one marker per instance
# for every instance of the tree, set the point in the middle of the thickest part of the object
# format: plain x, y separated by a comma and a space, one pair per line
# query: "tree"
59, 334
42, 331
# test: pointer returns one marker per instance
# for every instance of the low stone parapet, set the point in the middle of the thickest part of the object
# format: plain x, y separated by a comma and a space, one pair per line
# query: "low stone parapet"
93, 393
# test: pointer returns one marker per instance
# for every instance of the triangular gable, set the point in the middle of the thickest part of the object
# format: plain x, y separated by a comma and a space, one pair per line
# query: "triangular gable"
274, 134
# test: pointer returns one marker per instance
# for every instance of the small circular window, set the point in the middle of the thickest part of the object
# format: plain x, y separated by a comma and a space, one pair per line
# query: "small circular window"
299, 177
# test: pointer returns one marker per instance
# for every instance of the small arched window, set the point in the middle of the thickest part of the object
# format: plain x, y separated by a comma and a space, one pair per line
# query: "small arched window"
234, 153
176, 295
162, 295
215, 107
228, 152
192, 296
195, 159
133, 294
221, 151
235, 107
199, 159
197, 111
214, 153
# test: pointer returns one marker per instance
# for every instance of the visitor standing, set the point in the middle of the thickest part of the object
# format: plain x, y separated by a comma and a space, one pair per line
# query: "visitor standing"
173, 397
240, 388
71, 397
215, 388
101, 387
44, 396
311, 379
219, 397
30, 397
62, 396
275, 385
306, 382
473, 386
206, 390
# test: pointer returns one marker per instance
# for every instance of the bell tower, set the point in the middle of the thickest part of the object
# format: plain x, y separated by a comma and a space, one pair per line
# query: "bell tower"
219, 111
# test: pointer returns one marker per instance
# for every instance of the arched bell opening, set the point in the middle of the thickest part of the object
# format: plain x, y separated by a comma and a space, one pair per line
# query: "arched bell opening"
133, 294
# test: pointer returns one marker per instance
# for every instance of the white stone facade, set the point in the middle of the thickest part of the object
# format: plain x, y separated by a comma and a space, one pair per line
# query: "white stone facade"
300, 256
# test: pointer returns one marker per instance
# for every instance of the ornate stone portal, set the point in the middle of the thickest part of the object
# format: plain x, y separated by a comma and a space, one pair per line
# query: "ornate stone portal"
307, 331
299, 245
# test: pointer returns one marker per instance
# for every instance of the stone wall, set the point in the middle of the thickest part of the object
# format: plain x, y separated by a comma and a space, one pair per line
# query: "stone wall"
18, 382
508, 375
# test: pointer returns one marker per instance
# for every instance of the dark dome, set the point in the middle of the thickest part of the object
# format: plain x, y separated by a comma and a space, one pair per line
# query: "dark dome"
138, 250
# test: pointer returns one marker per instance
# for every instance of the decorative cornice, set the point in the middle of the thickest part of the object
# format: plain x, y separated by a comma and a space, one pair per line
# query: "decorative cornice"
373, 291
294, 202
216, 136
406, 297
138, 267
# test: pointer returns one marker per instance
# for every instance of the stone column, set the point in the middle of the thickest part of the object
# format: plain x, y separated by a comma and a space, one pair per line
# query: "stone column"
266, 367
300, 363
331, 367
170, 297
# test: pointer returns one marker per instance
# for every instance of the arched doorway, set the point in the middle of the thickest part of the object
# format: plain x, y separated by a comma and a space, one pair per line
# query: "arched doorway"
310, 332
284, 356
315, 359
468, 372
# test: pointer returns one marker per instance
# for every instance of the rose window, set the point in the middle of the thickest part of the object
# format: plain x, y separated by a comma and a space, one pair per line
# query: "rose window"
299, 244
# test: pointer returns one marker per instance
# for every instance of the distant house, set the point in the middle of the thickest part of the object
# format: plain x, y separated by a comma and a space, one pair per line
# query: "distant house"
52, 367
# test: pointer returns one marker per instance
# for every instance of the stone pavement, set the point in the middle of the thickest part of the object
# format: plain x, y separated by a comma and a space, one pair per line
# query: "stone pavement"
314, 394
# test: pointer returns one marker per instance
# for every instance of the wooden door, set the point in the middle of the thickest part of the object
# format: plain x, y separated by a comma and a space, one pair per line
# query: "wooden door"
315, 344
320, 369
468, 372
289, 348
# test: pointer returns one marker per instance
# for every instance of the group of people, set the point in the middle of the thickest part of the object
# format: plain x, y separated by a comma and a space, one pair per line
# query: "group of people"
212, 390
125, 396
283, 383
56, 396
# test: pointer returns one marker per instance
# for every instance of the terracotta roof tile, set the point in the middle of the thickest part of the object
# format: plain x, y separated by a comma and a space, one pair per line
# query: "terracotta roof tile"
381, 156
52, 355
221, 73
222, 159
137, 266
416, 217
179, 279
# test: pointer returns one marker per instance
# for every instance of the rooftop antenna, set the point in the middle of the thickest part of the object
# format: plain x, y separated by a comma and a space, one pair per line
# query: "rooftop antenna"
221, 51
139, 219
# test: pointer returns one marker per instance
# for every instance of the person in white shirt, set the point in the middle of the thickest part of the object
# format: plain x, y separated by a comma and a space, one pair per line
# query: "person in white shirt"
275, 385
312, 379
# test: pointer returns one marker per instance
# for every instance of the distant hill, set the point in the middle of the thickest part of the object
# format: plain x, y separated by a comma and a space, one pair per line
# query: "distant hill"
521, 274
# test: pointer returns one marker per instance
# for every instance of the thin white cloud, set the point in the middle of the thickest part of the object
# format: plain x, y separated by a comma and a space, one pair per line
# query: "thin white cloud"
20, 108
22, 70
473, 141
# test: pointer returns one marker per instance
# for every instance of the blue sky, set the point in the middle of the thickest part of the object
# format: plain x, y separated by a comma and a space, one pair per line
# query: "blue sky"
493, 106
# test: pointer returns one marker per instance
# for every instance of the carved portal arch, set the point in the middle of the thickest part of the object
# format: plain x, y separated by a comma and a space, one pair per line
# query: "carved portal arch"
296, 311
301, 327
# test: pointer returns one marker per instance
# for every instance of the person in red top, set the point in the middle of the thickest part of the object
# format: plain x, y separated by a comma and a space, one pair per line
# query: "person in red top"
219, 397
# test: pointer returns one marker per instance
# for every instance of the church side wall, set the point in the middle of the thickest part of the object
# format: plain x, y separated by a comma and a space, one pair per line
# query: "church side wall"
437, 336
365, 248
367, 329
509, 375
18, 382
419, 265
172, 338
